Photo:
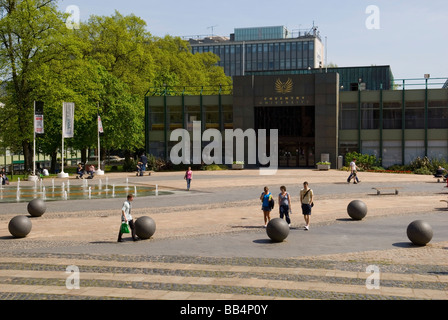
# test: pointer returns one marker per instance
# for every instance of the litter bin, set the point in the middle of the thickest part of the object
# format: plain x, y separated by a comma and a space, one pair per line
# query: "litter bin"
340, 162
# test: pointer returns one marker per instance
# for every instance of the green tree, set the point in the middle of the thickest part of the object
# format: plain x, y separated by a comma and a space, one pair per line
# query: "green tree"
30, 36
121, 45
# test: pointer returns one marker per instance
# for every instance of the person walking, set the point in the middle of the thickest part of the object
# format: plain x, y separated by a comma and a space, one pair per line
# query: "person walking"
306, 199
188, 176
126, 217
144, 161
284, 204
266, 198
353, 172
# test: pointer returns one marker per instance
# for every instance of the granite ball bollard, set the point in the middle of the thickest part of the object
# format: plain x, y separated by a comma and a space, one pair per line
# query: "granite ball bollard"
20, 226
357, 209
145, 227
419, 232
37, 207
277, 229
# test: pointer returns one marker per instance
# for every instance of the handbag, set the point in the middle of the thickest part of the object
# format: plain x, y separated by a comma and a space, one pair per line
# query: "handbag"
124, 227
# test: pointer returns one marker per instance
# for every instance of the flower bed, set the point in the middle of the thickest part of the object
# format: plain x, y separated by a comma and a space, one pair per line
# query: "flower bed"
391, 171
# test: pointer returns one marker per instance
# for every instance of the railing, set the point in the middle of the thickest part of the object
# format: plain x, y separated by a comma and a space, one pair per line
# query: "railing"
189, 90
420, 83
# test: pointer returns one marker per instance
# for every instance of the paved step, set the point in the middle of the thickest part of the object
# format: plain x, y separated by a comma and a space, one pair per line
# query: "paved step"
44, 276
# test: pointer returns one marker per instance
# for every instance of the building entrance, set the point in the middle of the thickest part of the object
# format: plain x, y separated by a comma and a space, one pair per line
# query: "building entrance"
295, 126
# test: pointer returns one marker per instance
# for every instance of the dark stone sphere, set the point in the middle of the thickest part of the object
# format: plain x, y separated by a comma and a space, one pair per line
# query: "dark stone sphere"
20, 226
145, 227
357, 209
37, 207
419, 232
277, 229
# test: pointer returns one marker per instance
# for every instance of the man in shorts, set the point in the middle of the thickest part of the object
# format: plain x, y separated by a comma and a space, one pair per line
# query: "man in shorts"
306, 199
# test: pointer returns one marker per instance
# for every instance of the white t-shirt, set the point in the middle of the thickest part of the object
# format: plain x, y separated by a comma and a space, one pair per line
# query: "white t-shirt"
127, 210
353, 166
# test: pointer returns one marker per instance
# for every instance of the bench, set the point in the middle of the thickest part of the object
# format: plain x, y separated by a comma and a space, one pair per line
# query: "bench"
445, 201
440, 178
392, 190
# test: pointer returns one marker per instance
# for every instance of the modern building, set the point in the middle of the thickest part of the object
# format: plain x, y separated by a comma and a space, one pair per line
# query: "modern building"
277, 51
263, 49
313, 117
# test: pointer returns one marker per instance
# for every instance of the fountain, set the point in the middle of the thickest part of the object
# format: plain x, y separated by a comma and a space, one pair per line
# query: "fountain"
71, 190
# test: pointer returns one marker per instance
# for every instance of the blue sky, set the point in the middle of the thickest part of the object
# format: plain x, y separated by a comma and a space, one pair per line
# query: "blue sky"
412, 37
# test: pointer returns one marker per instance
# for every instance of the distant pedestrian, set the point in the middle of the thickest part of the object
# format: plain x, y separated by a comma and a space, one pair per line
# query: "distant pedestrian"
266, 198
126, 217
306, 199
144, 161
353, 172
188, 176
284, 204
3, 177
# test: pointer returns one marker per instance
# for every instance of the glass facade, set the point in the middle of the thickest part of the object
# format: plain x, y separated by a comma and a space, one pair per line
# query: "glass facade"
243, 58
261, 33
396, 125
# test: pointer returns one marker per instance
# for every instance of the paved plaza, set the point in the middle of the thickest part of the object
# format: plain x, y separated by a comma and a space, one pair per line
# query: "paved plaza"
210, 242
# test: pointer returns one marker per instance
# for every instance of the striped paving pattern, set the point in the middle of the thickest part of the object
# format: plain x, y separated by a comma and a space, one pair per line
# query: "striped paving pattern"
44, 276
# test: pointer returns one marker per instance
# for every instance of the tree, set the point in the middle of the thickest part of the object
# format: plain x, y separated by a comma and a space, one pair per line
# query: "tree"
30, 37
120, 44
110, 63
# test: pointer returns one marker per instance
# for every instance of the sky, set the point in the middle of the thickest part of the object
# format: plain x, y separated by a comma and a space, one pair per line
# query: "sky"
409, 35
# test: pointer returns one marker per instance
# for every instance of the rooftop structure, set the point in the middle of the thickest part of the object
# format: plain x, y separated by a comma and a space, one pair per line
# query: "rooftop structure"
263, 49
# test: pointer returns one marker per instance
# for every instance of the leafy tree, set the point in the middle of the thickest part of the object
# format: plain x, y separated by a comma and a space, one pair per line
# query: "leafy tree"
30, 36
107, 66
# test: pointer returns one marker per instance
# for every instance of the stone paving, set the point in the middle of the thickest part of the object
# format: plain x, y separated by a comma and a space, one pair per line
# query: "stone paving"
210, 243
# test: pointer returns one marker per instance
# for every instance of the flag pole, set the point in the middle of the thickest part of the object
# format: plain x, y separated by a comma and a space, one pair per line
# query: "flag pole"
62, 174
33, 176
99, 171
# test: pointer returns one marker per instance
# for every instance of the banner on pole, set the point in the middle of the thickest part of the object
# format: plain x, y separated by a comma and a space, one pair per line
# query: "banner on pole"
39, 123
39, 117
68, 120
100, 125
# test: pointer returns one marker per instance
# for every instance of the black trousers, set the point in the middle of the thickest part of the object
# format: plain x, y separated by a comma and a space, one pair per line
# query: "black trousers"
284, 211
132, 226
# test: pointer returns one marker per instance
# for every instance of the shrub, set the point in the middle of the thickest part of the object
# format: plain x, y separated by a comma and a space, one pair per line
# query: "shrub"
130, 165
363, 161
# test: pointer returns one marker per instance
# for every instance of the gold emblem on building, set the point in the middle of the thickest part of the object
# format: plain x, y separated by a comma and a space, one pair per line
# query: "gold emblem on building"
283, 87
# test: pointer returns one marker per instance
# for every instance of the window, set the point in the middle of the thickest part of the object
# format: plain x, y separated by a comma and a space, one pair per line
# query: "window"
438, 114
415, 115
175, 116
392, 115
370, 113
348, 118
